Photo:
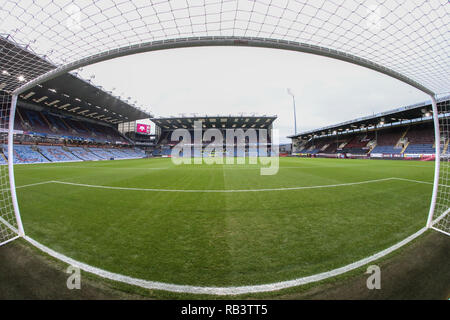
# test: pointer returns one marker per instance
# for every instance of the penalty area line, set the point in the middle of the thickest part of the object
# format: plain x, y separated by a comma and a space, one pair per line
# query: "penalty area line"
28, 185
231, 191
34, 184
221, 191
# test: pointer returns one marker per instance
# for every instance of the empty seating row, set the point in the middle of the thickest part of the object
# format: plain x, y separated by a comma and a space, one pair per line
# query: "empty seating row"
386, 149
25, 154
57, 154
46, 123
421, 148
101, 153
41, 154
120, 154
83, 154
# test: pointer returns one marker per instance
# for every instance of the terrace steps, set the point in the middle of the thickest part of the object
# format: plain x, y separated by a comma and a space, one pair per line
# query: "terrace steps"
398, 144
404, 148
405, 133
46, 120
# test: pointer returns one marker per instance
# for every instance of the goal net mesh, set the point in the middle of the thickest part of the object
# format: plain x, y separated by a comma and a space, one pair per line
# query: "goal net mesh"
8, 224
409, 38
441, 217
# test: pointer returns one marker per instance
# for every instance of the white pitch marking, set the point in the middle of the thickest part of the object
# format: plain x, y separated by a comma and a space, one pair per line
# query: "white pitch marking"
223, 290
222, 191
96, 167
228, 290
416, 181
34, 184
225, 191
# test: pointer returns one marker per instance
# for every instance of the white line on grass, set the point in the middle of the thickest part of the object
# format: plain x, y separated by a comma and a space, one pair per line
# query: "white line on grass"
28, 185
104, 167
226, 290
223, 191
33, 184
223, 290
416, 181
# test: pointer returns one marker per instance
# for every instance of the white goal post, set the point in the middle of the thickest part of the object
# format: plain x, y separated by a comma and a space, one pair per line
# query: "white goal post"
407, 40
10, 221
439, 217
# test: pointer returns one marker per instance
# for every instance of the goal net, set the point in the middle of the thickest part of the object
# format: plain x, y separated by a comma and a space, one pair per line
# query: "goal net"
407, 40
441, 217
8, 224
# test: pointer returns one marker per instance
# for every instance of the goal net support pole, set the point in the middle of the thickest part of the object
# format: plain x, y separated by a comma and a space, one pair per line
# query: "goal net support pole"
437, 139
12, 183
439, 207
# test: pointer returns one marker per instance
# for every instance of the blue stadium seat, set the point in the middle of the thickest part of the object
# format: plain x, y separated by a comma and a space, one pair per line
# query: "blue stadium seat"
421, 148
102, 153
25, 154
57, 154
386, 149
83, 154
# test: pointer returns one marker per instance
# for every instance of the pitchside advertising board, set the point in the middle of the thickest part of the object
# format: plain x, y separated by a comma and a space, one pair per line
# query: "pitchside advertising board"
143, 128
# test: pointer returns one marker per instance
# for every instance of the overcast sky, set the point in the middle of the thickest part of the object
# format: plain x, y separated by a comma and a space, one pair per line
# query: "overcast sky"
235, 80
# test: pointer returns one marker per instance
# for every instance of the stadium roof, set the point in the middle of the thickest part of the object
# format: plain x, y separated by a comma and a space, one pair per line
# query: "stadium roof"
407, 40
66, 92
422, 111
219, 122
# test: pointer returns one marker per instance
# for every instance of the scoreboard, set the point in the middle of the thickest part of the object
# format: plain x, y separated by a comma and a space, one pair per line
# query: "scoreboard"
143, 128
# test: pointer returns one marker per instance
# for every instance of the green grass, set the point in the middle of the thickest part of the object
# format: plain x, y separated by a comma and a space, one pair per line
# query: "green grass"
223, 239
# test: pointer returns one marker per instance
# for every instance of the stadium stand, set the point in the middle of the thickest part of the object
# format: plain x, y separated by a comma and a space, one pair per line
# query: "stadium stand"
126, 153
57, 154
136, 153
358, 144
102, 153
387, 140
156, 152
35, 122
48, 124
406, 132
42, 153
386, 149
419, 149
117, 153
25, 154
82, 153
420, 140
165, 142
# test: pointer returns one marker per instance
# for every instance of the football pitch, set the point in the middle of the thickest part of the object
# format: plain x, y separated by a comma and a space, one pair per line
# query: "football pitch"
223, 225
